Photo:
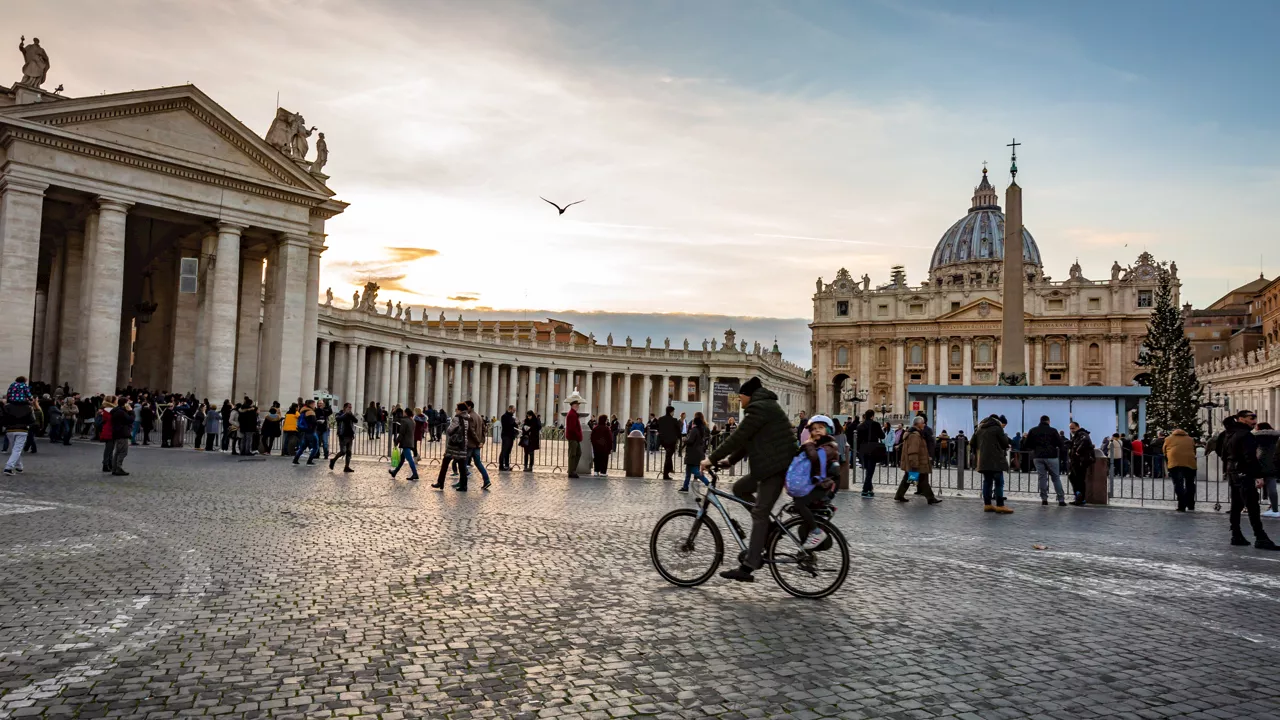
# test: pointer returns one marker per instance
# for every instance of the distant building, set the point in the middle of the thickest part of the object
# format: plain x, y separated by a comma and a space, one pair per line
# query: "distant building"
1230, 325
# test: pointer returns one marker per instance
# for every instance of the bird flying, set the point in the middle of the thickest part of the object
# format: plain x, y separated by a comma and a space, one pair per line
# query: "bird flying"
561, 209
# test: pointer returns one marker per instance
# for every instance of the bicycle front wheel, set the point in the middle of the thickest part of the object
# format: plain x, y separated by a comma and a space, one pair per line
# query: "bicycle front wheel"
686, 549
810, 575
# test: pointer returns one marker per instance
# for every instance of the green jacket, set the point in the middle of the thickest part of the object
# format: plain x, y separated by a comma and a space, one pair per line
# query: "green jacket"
765, 435
991, 445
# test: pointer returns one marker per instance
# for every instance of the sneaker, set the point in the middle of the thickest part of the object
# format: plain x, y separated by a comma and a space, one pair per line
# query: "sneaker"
347, 469
935, 501
742, 573
8, 471
815, 539
1271, 513
482, 487
683, 489
866, 494
1062, 503
19, 470
1044, 501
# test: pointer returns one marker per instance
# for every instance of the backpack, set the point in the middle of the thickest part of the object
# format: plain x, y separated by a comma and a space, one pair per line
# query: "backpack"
104, 433
799, 478
302, 421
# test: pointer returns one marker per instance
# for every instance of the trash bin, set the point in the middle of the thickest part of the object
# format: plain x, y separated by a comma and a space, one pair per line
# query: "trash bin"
633, 461
1095, 483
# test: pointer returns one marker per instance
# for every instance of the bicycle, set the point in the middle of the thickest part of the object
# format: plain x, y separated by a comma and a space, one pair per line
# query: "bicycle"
691, 534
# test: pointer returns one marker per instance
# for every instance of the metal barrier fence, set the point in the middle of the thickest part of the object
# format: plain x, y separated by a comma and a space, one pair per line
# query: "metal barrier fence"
1132, 479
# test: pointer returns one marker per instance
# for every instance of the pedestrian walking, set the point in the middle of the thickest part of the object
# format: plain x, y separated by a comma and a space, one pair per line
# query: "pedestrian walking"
289, 427
1043, 444
1080, 459
695, 450
475, 441
916, 463
121, 423
17, 420
323, 413
1245, 476
871, 450
306, 431
510, 431
668, 437
402, 430
1180, 458
601, 446
530, 438
455, 449
1267, 447
991, 446
573, 436
345, 423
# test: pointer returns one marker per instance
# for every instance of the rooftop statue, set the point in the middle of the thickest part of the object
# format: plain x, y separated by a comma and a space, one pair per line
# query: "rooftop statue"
369, 300
35, 62
289, 133
399, 309
355, 300
328, 297
322, 154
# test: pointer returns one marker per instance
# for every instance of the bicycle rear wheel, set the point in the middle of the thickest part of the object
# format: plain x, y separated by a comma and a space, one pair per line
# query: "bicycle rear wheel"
686, 550
809, 575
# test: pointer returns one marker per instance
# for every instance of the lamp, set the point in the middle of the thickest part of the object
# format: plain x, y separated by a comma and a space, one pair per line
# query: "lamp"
146, 306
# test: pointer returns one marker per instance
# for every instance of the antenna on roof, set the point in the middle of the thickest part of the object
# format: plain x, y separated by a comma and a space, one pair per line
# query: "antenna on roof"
277, 99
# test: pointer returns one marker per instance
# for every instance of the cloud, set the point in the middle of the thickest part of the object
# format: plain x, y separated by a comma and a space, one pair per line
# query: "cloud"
408, 254
464, 298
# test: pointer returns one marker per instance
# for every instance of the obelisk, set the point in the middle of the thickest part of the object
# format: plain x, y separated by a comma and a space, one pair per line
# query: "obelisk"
1013, 335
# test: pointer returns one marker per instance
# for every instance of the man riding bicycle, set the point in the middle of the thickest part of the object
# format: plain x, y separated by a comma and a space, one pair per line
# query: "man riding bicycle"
766, 436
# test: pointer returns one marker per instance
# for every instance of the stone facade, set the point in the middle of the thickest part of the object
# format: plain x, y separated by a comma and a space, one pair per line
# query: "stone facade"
364, 356
1242, 381
947, 330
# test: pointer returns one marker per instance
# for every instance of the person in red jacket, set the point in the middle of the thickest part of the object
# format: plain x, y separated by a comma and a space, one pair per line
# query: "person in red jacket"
573, 433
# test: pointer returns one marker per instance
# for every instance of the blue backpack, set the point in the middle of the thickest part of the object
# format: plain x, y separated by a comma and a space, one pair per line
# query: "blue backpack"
799, 475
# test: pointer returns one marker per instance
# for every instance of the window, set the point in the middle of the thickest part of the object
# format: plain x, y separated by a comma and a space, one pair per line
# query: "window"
842, 356
1144, 298
842, 308
188, 270
1095, 303
984, 353
882, 310
1216, 348
955, 305
955, 356
1055, 352
1055, 304
955, 377
882, 356
1055, 376
1095, 354
917, 354
916, 308
1216, 333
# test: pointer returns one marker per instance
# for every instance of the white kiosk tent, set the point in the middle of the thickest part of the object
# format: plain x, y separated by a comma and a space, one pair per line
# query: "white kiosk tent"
1100, 410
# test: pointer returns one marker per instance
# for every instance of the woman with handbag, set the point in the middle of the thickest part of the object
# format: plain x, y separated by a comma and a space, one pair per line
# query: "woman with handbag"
870, 450
915, 463
530, 438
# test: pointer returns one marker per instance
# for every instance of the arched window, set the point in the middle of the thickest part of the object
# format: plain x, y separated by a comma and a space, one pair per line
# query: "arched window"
882, 356
955, 356
842, 356
1095, 354
1055, 352
984, 249
984, 352
917, 354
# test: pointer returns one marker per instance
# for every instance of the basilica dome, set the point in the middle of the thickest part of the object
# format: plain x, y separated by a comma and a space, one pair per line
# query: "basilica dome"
979, 236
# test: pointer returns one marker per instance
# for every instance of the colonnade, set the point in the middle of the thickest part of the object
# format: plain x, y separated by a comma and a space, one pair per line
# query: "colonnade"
368, 373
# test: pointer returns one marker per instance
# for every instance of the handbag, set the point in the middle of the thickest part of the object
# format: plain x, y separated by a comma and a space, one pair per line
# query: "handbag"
913, 476
395, 456
524, 441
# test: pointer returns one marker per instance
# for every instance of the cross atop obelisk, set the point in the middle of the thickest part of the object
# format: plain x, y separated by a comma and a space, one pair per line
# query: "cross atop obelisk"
1013, 338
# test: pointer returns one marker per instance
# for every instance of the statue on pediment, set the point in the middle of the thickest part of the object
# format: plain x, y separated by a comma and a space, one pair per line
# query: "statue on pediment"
628, 341
388, 307
369, 300
1076, 272
591, 338
704, 345
666, 343
866, 282
713, 344
288, 134
399, 309
648, 343
1115, 271
322, 155
609, 340
328, 297
819, 283
686, 344
743, 349
355, 300
35, 62
730, 337
1173, 269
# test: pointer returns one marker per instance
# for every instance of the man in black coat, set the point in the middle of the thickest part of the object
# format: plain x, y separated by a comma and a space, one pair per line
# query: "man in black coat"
510, 431
1244, 476
1044, 444
669, 432
1079, 460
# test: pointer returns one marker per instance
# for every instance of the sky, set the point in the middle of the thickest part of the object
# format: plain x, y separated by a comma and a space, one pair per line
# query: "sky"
729, 152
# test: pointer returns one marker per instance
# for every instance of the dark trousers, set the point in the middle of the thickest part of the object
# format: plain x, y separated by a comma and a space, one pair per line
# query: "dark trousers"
575, 456
992, 487
209, 441
601, 461
108, 455
1077, 476
923, 487
120, 450
504, 458
247, 440
804, 508
226, 439
869, 472
267, 442
668, 467
462, 471
1184, 486
528, 459
1244, 496
344, 451
308, 443
764, 493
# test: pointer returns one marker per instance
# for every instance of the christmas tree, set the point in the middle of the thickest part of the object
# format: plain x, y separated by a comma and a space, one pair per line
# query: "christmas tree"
1170, 367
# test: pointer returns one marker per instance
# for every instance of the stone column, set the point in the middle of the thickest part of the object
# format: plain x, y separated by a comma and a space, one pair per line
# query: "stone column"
384, 380
588, 391
420, 396
493, 390
221, 303
323, 382
966, 358
606, 391
531, 402
1115, 361
204, 310
513, 383
356, 373
864, 365
549, 397
437, 387
1037, 360
626, 397
283, 342
249, 326
52, 317
21, 212
646, 397
474, 385
1073, 360
69, 330
107, 268
402, 378
944, 361
683, 388
899, 375
37, 336
311, 316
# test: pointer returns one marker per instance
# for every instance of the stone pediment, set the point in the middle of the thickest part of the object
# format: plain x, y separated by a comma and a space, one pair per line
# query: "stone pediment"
978, 310
181, 125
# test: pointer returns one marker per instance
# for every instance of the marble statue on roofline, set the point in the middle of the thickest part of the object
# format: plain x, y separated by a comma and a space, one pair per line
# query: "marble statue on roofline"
328, 297
35, 65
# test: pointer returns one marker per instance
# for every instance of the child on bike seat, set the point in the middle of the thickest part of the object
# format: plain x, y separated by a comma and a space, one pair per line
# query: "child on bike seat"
820, 442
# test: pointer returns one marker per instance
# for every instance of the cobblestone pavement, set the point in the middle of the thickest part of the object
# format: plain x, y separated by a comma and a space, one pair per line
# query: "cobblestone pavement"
203, 585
